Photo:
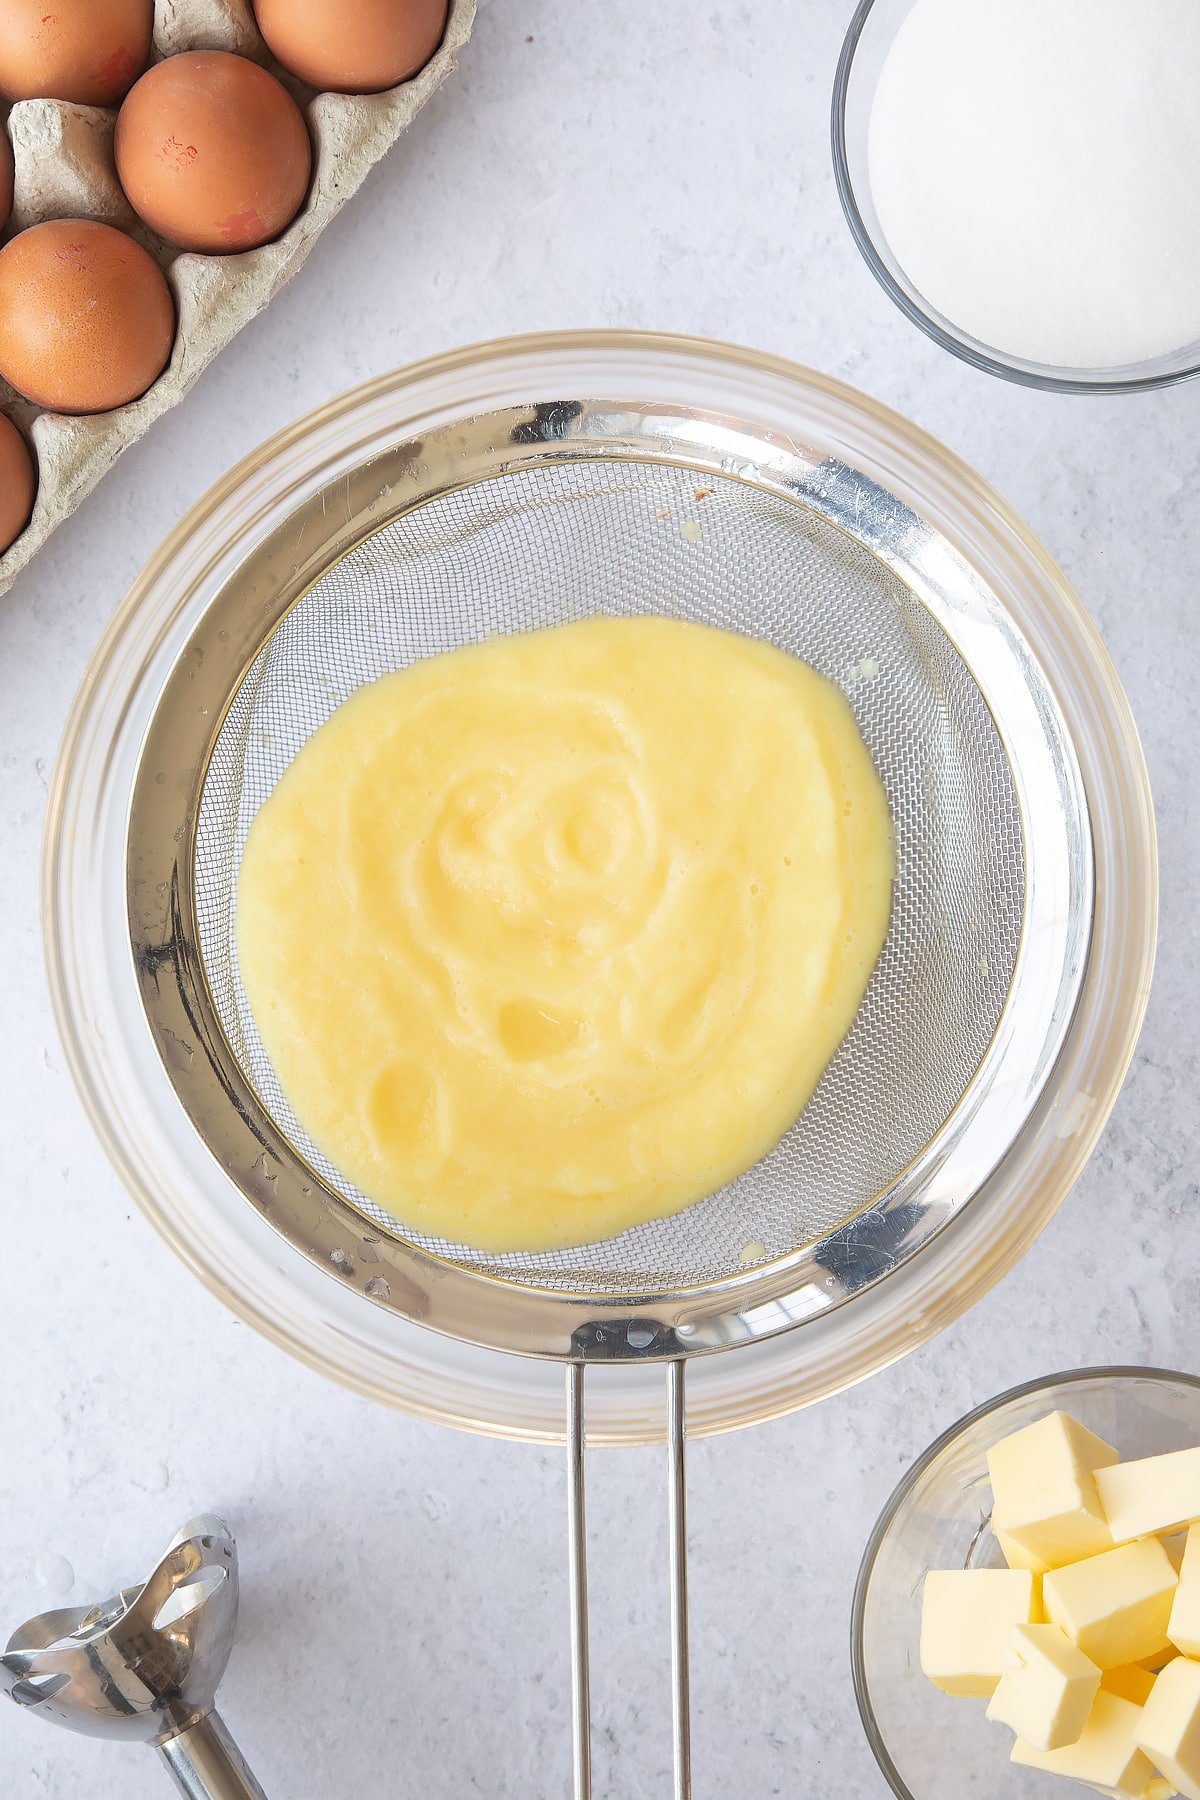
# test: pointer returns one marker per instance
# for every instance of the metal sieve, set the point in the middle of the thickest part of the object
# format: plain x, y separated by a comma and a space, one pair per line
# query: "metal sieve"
534, 515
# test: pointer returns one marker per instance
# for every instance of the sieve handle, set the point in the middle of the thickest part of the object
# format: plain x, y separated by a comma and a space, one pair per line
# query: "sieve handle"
581, 1691
206, 1764
681, 1689
581, 1709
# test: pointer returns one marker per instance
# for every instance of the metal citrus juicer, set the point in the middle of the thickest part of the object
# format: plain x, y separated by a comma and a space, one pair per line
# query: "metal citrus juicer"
526, 515
144, 1666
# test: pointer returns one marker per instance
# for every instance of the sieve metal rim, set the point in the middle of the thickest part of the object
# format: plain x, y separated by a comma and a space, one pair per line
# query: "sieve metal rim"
854, 1270
446, 1296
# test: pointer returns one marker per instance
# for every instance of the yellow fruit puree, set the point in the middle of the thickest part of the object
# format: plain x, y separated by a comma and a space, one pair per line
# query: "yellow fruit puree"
555, 934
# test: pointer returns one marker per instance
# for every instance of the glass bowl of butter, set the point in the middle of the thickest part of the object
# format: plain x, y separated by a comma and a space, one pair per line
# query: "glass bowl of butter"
1024, 1610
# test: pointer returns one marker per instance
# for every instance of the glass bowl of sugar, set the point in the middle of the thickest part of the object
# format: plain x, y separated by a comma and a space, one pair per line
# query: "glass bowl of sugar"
1021, 178
936, 1746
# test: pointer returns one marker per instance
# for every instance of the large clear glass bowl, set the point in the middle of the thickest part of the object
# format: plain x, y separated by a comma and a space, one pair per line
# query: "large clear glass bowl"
934, 1746
868, 39
180, 1185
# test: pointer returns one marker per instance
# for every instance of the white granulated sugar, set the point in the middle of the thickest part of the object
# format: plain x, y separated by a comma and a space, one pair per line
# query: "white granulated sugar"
1035, 167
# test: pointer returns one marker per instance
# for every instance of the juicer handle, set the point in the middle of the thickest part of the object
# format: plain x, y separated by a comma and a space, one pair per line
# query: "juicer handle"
206, 1764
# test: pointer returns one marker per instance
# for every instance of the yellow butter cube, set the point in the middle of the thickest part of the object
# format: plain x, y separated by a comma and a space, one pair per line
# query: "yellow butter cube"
1044, 1495
1159, 1493
1131, 1681
1157, 1788
1015, 1555
1175, 1546
967, 1619
1183, 1629
1106, 1756
1047, 1695
1115, 1606
1169, 1731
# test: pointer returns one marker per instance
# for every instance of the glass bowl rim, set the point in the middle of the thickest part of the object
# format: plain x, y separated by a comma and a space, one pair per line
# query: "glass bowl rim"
1112, 1372
798, 1367
1046, 378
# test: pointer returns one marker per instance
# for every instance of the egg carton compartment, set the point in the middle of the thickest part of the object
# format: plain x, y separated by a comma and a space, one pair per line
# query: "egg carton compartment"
64, 168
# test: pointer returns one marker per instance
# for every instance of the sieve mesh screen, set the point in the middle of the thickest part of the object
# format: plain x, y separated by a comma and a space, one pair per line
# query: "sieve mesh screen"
565, 540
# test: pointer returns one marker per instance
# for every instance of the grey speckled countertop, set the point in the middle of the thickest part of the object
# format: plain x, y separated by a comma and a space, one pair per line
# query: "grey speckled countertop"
620, 164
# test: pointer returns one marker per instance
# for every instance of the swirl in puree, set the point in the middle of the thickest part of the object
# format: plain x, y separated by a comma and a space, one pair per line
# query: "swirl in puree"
554, 935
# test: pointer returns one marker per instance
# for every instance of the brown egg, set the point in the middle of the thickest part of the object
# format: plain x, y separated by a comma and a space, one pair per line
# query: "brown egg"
352, 46
213, 153
6, 178
91, 51
86, 318
17, 484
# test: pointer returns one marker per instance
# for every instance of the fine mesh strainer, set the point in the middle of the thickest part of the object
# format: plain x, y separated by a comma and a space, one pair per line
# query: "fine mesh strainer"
531, 515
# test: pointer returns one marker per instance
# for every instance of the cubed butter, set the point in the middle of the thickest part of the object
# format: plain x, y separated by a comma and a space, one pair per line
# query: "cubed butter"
1106, 1755
967, 1619
1047, 1693
1157, 1788
1044, 1495
1131, 1681
1159, 1493
1175, 1546
1015, 1555
1184, 1626
1169, 1729
1115, 1606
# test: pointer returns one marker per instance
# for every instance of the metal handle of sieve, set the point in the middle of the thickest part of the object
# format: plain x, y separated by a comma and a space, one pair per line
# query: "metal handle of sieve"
577, 1554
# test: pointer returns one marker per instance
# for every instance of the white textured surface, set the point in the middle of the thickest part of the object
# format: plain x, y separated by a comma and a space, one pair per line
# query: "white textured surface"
403, 1628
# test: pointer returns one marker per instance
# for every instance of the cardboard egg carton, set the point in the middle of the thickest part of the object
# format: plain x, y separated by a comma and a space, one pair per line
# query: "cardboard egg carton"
65, 169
